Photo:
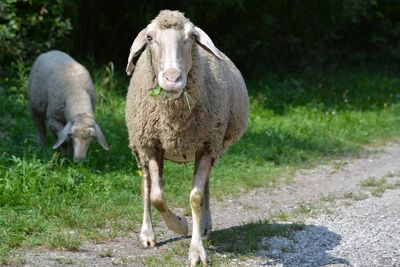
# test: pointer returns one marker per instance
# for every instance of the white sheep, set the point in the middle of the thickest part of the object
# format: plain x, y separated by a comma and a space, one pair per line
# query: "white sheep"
61, 90
202, 110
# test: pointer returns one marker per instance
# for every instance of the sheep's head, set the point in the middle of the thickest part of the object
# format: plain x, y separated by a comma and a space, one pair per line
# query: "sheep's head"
170, 37
81, 132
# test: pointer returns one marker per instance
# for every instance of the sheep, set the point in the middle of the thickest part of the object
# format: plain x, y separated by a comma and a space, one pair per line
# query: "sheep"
202, 110
61, 91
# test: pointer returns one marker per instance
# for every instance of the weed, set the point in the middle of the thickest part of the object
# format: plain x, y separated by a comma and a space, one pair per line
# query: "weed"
305, 209
282, 216
65, 241
373, 182
106, 253
327, 198
63, 261
356, 196
378, 191
250, 207
337, 165
378, 186
175, 255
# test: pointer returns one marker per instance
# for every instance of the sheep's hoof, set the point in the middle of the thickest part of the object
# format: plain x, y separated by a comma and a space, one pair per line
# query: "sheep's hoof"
183, 227
206, 230
148, 238
177, 224
196, 254
206, 224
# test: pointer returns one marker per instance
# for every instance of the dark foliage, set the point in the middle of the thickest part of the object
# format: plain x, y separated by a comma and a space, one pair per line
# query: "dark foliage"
258, 35
28, 27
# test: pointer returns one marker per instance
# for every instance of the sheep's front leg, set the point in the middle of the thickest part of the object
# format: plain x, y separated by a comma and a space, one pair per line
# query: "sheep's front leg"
55, 126
147, 235
174, 223
197, 197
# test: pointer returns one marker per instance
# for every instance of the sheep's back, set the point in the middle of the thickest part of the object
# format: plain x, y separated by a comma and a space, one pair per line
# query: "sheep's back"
55, 77
226, 85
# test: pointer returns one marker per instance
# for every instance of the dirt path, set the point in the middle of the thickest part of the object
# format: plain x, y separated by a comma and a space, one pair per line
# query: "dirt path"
360, 229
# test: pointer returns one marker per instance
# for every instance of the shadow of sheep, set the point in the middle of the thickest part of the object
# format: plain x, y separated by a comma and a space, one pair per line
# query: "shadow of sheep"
278, 244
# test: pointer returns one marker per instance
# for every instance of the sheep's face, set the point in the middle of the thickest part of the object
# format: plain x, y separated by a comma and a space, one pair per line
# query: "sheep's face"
171, 54
81, 139
81, 132
170, 38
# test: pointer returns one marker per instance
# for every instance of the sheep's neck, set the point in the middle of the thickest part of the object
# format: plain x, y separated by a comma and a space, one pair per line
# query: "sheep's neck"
78, 103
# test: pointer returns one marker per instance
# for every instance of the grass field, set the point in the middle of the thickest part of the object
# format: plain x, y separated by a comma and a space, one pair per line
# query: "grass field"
296, 120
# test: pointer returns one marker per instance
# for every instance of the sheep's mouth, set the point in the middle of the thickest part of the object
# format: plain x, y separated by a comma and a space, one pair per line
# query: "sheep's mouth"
172, 95
165, 94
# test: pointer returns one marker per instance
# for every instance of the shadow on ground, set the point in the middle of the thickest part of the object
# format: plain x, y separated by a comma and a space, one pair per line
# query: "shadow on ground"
276, 243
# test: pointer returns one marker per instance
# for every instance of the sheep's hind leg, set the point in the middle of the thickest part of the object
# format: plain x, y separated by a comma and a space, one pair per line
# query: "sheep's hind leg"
39, 119
206, 221
147, 234
174, 223
197, 197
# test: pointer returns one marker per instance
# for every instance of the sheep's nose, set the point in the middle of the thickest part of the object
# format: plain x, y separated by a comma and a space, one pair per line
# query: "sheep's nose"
79, 157
173, 75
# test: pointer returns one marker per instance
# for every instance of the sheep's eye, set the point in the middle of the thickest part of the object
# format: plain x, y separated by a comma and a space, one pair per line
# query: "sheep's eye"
193, 36
149, 38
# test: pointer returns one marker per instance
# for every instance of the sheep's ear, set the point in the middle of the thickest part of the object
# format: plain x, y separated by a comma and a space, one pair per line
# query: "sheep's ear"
136, 49
100, 137
63, 135
205, 41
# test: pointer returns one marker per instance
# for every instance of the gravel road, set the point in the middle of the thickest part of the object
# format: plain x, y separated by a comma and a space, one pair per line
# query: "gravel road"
347, 230
364, 234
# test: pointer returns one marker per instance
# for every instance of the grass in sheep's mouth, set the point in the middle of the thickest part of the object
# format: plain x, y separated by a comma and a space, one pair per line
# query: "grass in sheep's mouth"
158, 90
188, 98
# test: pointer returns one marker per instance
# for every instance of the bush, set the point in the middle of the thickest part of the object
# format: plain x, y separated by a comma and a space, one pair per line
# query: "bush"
29, 27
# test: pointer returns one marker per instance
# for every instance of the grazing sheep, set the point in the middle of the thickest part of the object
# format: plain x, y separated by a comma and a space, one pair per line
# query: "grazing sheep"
61, 90
202, 110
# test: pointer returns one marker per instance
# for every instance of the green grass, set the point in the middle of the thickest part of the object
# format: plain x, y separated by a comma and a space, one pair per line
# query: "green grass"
48, 200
